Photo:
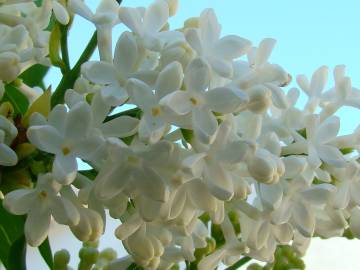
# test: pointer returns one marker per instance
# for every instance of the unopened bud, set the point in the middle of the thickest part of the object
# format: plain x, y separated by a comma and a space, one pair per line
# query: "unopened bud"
265, 167
173, 7
61, 260
9, 66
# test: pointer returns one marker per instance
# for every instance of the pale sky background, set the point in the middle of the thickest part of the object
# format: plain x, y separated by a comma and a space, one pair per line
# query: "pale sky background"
309, 33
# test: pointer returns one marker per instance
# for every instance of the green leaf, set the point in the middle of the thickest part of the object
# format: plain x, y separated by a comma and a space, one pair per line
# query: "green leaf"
17, 255
45, 251
11, 230
34, 75
187, 134
16, 98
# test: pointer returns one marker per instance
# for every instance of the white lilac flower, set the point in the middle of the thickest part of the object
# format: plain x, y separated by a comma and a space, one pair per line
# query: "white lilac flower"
66, 134
314, 88
104, 19
8, 132
218, 52
40, 204
342, 94
317, 142
148, 24
214, 164
258, 70
114, 76
154, 120
197, 103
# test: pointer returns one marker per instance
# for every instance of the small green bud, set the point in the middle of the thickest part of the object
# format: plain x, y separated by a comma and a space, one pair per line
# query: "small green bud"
61, 259
108, 254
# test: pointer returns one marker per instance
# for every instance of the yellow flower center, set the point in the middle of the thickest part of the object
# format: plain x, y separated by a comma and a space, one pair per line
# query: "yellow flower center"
155, 111
43, 194
194, 101
65, 150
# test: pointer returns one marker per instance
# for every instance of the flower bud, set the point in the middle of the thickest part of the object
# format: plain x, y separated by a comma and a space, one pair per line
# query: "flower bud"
173, 7
260, 99
9, 66
266, 167
61, 259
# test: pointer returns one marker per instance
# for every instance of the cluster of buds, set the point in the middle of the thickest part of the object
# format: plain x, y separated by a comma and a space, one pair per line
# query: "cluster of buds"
195, 142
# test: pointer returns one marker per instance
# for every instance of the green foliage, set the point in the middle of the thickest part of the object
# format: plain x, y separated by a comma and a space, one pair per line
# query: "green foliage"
13, 246
34, 75
17, 99
45, 251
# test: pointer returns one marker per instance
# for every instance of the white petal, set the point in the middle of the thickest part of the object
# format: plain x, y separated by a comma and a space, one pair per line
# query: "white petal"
278, 96
78, 122
221, 66
126, 53
131, 18
169, 79
61, 13
304, 219
128, 227
331, 155
114, 95
230, 47
64, 212
7, 156
148, 208
319, 80
225, 99
151, 128
328, 129
342, 197
178, 102
264, 50
318, 194
209, 27
212, 261
37, 225
100, 109
64, 168
219, 181
200, 196
80, 8
141, 94
193, 164
57, 117
156, 15
122, 126
304, 83
271, 195
46, 138
205, 125
192, 36
197, 75
283, 233
111, 182
176, 203
99, 72
151, 184
19, 201
234, 152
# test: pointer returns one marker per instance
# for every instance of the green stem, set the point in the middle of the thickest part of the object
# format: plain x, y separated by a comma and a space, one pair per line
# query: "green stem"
239, 263
64, 47
69, 78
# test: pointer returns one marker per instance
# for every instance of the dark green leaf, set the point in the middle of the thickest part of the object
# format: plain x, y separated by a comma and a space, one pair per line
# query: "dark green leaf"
11, 229
45, 251
34, 75
16, 98
17, 255
91, 174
